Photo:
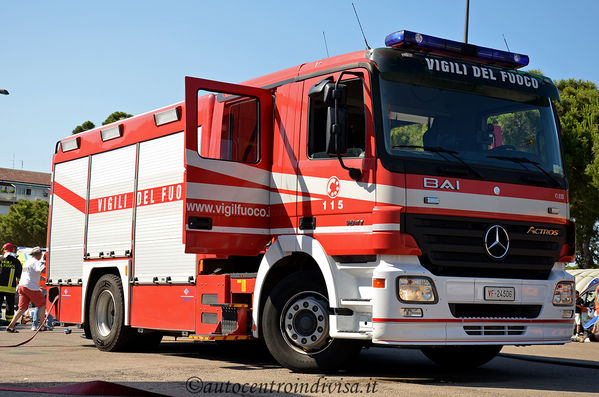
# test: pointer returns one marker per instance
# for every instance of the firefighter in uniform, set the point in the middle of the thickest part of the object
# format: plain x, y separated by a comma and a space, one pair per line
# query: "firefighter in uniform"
10, 272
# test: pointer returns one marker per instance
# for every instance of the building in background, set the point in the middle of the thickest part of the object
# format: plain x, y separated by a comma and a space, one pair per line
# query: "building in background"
17, 185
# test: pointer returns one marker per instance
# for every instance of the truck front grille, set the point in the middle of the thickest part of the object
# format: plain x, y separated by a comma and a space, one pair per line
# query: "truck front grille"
454, 246
485, 330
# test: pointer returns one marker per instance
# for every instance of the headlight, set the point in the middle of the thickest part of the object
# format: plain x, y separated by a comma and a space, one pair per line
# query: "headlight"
564, 294
416, 289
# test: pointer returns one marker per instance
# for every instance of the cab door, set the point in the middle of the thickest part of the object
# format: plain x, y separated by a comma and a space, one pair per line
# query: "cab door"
331, 206
228, 142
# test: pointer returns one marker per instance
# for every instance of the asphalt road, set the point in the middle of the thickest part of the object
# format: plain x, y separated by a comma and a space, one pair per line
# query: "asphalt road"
185, 368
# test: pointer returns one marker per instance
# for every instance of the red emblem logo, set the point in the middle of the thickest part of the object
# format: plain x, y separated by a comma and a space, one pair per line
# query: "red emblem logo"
333, 187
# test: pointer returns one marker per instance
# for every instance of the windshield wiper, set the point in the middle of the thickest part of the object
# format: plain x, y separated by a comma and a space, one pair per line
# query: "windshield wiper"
439, 150
524, 160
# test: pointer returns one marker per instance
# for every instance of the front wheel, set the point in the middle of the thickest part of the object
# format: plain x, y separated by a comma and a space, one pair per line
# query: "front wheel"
460, 357
107, 313
296, 326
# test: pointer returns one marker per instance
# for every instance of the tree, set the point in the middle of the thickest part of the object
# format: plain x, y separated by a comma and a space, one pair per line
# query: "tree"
88, 125
116, 116
26, 224
409, 134
579, 116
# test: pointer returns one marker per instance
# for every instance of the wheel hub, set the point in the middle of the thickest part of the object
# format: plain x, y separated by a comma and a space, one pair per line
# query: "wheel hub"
105, 313
306, 322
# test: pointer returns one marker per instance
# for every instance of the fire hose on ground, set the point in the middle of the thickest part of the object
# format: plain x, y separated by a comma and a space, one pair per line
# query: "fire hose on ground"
36, 331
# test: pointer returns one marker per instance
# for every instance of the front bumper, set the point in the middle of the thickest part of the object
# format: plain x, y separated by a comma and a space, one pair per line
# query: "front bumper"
438, 325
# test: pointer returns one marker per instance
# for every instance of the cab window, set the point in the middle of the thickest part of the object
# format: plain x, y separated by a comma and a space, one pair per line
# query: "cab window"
356, 124
234, 132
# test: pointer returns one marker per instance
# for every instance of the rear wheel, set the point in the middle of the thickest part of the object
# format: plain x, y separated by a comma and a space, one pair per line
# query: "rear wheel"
461, 356
106, 317
296, 326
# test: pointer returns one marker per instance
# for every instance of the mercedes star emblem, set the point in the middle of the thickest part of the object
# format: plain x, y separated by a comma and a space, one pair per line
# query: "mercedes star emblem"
497, 242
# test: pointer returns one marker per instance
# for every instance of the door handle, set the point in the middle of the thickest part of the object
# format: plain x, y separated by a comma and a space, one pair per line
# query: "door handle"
307, 223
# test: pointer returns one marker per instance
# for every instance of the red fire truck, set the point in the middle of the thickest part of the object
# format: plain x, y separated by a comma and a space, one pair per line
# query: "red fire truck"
413, 195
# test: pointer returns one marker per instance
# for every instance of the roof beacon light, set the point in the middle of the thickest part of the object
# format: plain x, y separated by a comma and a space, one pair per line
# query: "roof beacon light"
417, 41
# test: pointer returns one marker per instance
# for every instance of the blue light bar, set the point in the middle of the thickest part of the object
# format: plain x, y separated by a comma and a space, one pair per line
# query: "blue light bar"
417, 41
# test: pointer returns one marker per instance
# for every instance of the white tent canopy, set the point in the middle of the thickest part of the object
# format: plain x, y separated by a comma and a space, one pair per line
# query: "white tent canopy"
584, 277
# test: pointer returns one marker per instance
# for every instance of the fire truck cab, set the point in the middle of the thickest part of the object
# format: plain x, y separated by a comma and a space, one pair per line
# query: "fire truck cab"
413, 195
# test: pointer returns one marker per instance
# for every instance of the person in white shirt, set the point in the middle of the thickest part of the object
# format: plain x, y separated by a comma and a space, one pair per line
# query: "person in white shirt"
29, 288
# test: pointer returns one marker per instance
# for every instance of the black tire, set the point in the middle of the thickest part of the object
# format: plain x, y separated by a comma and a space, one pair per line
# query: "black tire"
461, 357
87, 333
312, 349
106, 315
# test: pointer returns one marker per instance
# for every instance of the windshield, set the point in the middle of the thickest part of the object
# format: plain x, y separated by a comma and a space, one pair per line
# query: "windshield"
431, 124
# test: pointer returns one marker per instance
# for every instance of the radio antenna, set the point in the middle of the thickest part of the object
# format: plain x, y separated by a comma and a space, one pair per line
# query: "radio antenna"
505, 41
359, 24
326, 47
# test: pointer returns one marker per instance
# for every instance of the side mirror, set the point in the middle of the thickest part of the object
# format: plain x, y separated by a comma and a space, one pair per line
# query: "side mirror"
317, 91
336, 131
334, 95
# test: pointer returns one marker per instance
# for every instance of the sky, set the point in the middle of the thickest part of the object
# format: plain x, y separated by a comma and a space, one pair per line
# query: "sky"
65, 62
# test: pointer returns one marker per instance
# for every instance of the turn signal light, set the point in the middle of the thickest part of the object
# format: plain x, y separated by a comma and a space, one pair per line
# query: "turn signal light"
378, 283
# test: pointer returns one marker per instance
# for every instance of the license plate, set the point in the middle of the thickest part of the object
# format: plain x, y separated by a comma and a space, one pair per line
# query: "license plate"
500, 293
